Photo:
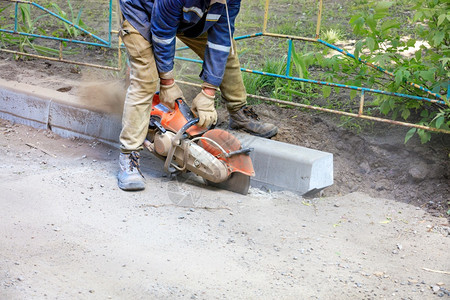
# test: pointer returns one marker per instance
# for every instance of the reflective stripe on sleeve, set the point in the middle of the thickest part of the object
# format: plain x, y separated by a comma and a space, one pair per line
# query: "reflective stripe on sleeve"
212, 17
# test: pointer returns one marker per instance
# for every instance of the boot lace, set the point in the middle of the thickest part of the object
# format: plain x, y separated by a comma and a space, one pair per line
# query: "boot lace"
249, 112
134, 161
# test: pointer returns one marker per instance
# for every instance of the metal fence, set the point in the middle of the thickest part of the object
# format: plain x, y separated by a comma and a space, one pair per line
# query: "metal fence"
105, 42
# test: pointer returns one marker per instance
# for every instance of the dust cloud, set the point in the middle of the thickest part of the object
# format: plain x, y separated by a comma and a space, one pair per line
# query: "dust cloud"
101, 94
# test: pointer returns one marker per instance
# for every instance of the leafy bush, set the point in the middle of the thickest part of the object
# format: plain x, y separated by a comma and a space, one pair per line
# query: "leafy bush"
384, 45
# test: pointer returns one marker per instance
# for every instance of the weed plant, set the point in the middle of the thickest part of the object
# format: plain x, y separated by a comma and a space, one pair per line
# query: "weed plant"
28, 26
69, 30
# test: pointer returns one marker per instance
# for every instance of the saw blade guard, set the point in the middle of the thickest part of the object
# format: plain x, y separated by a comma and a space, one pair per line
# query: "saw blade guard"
216, 139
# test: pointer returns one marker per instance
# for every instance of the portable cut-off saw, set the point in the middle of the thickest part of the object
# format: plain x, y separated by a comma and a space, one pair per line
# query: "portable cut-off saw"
214, 154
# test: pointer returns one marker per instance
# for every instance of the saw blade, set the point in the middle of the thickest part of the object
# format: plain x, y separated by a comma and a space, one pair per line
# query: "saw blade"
237, 182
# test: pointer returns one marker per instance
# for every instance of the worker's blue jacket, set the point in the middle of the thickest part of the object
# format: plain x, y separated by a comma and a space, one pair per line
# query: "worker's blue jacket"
160, 20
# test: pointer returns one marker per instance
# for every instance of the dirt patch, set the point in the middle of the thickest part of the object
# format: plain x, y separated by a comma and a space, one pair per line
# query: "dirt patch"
374, 161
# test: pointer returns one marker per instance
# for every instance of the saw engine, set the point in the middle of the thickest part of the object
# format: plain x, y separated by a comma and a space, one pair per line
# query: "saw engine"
214, 154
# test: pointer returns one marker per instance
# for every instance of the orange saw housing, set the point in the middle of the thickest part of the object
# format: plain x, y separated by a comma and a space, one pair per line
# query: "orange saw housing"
174, 120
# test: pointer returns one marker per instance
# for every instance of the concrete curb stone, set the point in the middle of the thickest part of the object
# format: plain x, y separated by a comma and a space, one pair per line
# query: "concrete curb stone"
278, 166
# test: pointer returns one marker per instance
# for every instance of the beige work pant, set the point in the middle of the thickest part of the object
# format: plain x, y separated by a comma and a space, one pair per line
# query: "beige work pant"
144, 82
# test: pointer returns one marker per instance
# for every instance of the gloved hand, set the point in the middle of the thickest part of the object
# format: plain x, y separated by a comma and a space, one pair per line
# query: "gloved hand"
203, 107
168, 93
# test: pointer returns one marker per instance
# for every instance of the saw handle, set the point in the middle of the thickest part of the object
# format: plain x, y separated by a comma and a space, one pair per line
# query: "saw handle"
176, 139
175, 142
240, 151
158, 125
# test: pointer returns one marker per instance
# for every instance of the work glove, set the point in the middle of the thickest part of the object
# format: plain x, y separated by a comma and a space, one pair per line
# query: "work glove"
203, 107
168, 93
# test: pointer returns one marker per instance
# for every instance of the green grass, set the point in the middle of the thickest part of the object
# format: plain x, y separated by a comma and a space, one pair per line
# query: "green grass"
260, 84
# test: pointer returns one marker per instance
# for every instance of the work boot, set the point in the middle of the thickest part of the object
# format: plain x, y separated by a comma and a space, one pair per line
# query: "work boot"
248, 120
130, 177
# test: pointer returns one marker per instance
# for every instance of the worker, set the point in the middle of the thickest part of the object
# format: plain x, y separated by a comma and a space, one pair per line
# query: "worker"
149, 29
